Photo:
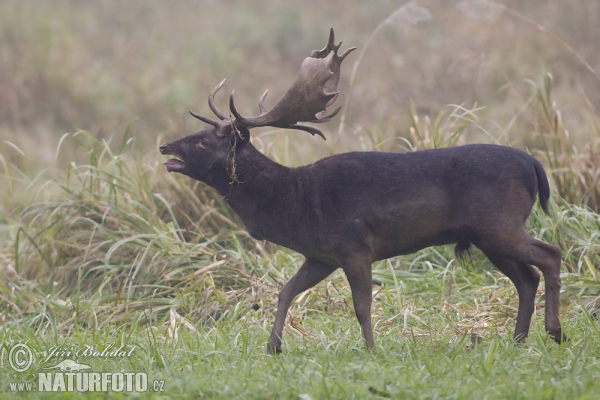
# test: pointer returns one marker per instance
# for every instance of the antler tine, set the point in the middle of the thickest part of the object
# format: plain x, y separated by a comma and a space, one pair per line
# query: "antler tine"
211, 102
331, 46
209, 121
224, 120
261, 102
345, 53
326, 118
307, 128
234, 111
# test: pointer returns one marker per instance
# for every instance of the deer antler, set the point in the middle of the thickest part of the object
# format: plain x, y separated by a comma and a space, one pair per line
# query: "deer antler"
331, 85
313, 90
224, 121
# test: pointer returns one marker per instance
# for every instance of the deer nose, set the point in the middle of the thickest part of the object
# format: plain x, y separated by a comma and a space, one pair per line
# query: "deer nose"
163, 147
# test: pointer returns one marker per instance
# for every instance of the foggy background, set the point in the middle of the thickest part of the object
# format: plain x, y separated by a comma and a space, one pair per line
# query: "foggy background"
98, 66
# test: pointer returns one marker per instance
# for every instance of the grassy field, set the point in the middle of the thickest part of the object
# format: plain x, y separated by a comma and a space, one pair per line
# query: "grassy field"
100, 248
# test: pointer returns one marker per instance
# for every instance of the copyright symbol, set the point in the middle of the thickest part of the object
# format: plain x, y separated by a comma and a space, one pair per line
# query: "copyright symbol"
20, 357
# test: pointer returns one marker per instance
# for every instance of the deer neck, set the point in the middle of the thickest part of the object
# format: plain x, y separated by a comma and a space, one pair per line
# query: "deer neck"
261, 192
247, 177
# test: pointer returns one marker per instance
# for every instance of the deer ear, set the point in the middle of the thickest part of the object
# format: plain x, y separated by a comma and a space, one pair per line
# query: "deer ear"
240, 138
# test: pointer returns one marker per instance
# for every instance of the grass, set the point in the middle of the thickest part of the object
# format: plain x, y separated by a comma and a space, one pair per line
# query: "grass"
426, 352
99, 246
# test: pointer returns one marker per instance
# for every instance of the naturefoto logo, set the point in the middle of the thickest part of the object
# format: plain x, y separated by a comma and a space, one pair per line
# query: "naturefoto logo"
62, 370
70, 366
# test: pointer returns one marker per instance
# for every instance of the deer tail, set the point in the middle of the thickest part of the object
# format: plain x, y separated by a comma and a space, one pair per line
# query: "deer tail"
543, 186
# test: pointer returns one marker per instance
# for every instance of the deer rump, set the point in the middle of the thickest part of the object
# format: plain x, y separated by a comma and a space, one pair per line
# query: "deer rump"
397, 203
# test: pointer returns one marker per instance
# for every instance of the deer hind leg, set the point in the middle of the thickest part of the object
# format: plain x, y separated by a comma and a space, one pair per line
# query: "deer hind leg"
311, 273
548, 259
514, 253
526, 279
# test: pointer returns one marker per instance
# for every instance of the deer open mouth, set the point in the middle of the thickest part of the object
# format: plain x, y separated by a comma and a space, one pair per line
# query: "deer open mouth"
174, 165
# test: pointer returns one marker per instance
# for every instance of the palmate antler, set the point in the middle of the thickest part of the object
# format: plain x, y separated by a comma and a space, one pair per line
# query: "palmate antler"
313, 90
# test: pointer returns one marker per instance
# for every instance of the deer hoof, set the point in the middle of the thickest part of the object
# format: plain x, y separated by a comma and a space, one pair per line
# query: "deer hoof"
559, 337
273, 349
564, 339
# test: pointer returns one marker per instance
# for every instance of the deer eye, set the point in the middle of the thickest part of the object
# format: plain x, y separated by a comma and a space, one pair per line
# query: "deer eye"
203, 144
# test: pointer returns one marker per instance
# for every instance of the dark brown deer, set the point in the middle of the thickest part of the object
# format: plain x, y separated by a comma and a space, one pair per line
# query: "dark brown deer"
349, 210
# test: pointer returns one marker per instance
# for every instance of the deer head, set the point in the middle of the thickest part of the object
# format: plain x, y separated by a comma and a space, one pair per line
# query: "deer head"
307, 100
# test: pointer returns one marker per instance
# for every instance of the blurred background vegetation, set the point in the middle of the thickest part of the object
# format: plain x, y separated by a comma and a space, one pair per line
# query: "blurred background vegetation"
95, 209
69, 65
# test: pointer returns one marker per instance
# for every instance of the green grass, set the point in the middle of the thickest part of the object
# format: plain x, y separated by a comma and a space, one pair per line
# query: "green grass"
424, 353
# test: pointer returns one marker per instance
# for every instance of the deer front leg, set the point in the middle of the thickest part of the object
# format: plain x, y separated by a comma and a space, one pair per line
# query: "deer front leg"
359, 277
311, 273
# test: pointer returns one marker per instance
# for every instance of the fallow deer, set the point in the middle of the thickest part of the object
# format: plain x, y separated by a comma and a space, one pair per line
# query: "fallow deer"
350, 210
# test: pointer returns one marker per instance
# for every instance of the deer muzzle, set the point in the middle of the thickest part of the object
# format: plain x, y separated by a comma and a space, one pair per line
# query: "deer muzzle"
172, 164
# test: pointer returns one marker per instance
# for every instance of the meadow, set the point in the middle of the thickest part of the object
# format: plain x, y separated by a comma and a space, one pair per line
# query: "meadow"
100, 246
